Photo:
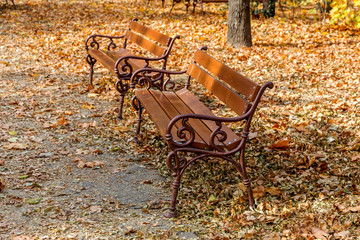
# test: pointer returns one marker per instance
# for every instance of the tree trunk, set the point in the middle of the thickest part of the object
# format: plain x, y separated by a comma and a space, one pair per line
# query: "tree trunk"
239, 28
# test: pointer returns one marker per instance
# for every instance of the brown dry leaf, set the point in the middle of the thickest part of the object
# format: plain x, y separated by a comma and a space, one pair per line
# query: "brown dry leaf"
95, 209
62, 121
281, 144
2, 185
353, 209
129, 230
253, 135
22, 237
49, 125
319, 234
242, 187
81, 164
342, 235
275, 191
259, 192
15, 146
2, 162
355, 158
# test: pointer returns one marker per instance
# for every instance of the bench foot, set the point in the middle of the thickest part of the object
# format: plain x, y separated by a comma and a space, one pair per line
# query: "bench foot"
170, 214
91, 61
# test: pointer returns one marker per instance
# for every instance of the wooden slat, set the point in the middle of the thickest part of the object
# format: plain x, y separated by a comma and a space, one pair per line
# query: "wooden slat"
109, 58
136, 63
155, 111
150, 33
241, 83
225, 94
198, 107
173, 106
159, 116
145, 43
103, 59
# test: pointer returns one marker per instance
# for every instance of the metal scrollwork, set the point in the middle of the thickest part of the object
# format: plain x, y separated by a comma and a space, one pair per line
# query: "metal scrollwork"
94, 44
111, 45
168, 82
90, 60
183, 132
121, 87
175, 163
218, 134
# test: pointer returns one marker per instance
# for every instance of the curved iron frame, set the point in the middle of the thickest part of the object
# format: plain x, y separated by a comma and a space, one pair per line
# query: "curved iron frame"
122, 84
174, 162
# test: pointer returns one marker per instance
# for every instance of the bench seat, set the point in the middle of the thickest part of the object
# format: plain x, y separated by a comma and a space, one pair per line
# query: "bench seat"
162, 106
109, 58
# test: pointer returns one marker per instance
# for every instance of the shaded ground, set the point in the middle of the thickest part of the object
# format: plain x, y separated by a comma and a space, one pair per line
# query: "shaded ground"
71, 171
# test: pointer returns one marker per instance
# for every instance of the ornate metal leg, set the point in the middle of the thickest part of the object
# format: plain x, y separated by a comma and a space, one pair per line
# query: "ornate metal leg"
122, 88
172, 209
177, 165
139, 108
246, 180
91, 61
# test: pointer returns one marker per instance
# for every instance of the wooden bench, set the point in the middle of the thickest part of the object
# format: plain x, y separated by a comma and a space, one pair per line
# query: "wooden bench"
190, 129
121, 62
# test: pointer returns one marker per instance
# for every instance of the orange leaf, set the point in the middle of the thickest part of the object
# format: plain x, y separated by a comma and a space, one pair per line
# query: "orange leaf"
2, 185
275, 191
281, 144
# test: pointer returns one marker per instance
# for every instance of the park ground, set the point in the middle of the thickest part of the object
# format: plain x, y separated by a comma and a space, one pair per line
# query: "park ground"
68, 167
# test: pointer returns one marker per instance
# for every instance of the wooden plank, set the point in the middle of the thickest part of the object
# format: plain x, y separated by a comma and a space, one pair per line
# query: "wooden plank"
104, 59
241, 83
173, 106
150, 33
198, 107
159, 117
136, 63
225, 94
109, 58
145, 43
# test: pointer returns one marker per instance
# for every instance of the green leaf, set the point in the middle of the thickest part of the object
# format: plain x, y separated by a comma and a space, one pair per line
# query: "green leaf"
33, 200
13, 133
23, 176
212, 198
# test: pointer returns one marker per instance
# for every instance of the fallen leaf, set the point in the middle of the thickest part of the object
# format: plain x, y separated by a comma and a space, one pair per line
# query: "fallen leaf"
95, 209
129, 230
12, 133
342, 235
2, 162
275, 191
355, 158
281, 144
354, 209
259, 192
33, 200
62, 121
81, 164
15, 146
2, 185
253, 135
319, 234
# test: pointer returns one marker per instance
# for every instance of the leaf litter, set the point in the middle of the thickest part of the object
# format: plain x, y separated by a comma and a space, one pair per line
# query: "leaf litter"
303, 159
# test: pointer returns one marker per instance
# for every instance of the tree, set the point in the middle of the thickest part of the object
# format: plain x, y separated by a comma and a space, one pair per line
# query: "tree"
239, 27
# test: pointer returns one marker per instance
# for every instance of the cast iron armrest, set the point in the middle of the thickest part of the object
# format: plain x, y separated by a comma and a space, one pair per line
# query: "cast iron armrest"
143, 77
94, 44
216, 133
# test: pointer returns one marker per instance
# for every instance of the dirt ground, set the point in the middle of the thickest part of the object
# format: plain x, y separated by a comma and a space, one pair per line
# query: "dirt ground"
69, 168
47, 191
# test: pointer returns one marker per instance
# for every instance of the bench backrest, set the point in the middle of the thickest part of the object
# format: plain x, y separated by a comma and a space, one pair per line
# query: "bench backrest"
232, 88
149, 39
